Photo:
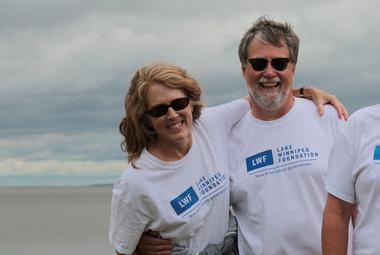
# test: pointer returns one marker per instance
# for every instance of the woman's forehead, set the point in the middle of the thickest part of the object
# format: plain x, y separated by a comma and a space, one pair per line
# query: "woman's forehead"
160, 93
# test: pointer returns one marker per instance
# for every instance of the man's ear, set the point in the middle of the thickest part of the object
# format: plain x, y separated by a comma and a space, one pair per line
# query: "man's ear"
293, 68
243, 70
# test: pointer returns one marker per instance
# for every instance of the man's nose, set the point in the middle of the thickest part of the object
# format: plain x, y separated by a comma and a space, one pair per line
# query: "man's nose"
269, 71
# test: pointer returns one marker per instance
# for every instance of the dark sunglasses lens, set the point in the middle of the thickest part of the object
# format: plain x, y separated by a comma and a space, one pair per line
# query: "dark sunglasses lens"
158, 110
162, 109
180, 103
280, 64
258, 64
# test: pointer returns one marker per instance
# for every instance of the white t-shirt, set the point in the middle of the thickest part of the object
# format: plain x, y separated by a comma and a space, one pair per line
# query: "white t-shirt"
278, 179
354, 175
186, 201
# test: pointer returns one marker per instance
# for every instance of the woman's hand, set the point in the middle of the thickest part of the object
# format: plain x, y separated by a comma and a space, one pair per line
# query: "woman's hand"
320, 98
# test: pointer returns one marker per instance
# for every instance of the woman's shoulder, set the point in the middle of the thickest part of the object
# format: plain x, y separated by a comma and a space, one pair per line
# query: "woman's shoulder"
130, 182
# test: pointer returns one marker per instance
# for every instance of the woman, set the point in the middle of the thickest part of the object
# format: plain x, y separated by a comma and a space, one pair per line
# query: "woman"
177, 181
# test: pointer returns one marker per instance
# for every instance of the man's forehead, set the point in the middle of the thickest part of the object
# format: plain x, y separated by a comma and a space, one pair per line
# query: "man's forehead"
261, 46
264, 40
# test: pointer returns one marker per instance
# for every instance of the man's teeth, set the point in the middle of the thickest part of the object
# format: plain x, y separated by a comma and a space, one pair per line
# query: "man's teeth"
269, 84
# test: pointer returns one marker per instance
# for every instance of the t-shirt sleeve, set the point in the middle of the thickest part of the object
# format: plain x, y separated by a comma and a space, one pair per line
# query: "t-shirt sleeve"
340, 181
128, 221
226, 115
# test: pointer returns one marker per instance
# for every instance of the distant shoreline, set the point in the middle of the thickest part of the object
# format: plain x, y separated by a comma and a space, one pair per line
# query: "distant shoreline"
56, 180
58, 186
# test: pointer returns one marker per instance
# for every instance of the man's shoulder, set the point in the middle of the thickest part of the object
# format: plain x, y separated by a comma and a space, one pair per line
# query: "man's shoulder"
307, 111
309, 105
246, 119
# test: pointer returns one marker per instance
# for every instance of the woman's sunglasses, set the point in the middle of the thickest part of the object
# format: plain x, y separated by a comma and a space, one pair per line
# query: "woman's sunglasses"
259, 64
162, 109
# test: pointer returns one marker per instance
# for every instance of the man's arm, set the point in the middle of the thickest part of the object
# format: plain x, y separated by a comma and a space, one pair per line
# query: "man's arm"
336, 218
321, 98
151, 244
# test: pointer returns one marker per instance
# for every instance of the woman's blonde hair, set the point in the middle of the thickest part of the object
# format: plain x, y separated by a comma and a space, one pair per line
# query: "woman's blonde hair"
137, 133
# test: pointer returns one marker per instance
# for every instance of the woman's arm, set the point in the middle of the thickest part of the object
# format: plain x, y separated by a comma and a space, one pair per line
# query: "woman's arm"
336, 218
321, 98
127, 224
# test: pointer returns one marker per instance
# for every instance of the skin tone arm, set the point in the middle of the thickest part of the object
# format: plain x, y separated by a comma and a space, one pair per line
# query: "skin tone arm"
321, 98
336, 218
150, 245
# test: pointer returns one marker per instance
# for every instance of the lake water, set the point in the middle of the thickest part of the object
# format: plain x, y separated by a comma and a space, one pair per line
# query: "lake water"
56, 180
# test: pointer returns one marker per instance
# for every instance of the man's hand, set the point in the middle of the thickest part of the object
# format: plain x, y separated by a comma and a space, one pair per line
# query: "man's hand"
150, 244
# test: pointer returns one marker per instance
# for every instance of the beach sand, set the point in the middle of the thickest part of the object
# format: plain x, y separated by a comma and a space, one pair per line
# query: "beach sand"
55, 220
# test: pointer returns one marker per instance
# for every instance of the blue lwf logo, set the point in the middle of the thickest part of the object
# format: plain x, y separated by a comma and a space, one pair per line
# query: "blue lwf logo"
184, 201
259, 160
376, 154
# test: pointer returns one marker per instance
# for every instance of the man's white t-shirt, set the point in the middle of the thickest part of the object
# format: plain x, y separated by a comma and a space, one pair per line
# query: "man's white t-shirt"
185, 201
354, 176
278, 179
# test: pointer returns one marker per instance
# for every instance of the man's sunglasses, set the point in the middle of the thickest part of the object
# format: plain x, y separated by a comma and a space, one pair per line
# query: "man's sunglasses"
259, 64
162, 109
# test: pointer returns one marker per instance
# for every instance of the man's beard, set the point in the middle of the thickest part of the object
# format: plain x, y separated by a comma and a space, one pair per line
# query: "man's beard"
269, 100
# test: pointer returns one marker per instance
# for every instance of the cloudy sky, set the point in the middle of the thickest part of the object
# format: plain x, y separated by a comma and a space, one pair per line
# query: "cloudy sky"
65, 66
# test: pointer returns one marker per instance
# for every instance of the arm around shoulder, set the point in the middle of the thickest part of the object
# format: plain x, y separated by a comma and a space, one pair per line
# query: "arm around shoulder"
320, 98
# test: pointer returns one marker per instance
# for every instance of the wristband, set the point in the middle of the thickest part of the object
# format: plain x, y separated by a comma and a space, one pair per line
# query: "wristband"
302, 93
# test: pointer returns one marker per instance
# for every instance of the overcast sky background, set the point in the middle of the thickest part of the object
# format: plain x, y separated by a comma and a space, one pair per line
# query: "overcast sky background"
65, 66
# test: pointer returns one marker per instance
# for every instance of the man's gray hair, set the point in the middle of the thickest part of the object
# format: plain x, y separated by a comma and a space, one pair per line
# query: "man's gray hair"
271, 32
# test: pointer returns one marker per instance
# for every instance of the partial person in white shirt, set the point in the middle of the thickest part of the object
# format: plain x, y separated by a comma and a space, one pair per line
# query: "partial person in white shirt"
353, 184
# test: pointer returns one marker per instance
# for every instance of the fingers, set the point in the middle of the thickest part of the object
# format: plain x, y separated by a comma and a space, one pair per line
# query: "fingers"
340, 108
150, 245
335, 102
320, 106
345, 113
154, 250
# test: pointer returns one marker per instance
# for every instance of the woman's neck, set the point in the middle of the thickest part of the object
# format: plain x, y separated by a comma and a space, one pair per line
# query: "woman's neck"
169, 152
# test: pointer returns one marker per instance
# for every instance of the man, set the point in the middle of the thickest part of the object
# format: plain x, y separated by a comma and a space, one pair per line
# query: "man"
276, 163
278, 151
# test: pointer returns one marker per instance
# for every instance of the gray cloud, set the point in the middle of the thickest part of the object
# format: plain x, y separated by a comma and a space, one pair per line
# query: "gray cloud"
65, 65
